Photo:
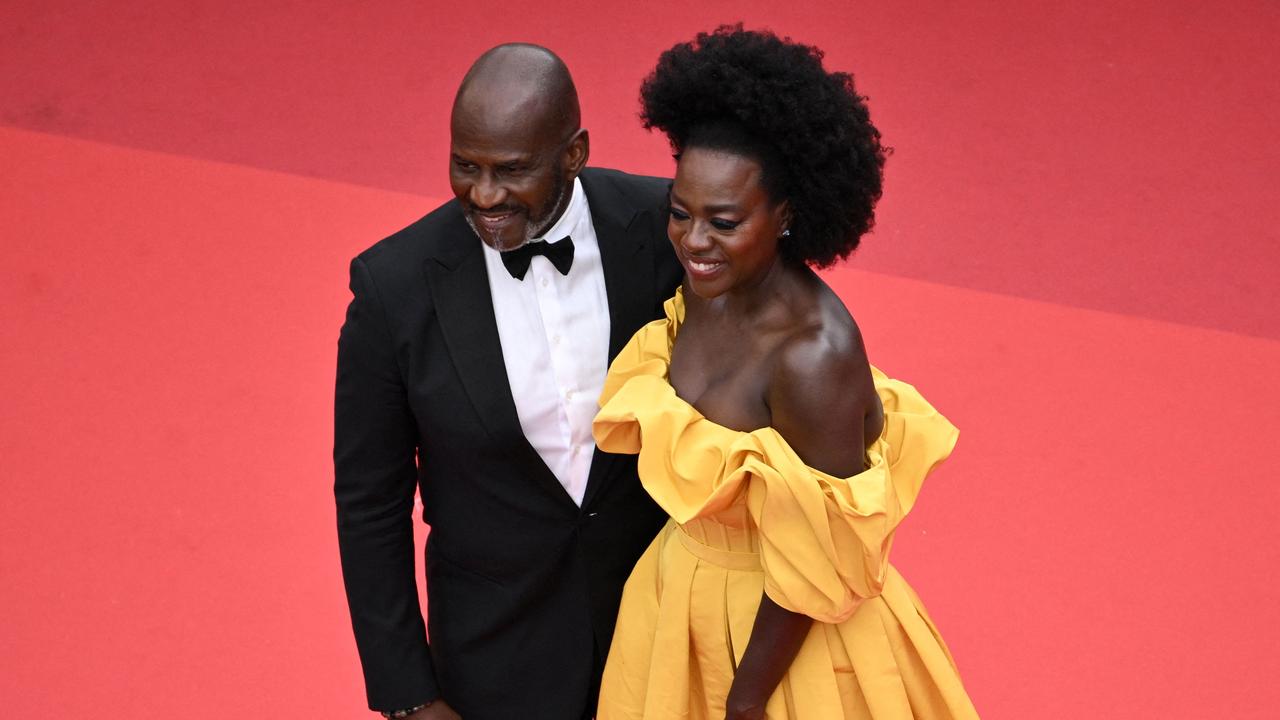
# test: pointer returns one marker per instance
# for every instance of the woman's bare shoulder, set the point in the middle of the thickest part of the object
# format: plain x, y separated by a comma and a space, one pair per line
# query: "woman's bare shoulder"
821, 390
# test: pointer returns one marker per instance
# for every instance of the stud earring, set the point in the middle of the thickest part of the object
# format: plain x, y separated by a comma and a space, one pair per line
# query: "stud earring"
786, 233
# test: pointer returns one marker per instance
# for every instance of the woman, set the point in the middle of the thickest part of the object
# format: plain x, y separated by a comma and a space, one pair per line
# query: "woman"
784, 459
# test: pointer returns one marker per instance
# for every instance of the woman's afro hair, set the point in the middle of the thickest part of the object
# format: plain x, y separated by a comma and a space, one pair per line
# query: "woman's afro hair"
769, 98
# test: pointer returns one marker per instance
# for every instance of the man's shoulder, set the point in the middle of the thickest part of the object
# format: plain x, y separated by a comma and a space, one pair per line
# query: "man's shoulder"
406, 249
637, 191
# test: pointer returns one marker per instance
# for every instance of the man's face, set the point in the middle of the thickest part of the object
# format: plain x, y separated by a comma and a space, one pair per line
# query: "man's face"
514, 178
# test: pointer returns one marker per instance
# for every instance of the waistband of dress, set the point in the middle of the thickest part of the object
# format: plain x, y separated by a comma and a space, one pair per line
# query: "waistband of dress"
728, 559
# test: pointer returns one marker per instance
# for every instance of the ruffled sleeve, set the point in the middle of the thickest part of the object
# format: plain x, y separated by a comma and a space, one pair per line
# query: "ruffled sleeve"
824, 541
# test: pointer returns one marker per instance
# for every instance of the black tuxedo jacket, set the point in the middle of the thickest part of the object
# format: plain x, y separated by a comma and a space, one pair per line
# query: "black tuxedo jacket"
523, 585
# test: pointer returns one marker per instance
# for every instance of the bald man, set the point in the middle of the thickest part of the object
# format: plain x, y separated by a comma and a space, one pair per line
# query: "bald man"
469, 366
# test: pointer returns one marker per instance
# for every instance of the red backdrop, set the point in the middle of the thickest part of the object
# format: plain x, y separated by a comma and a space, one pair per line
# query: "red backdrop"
1075, 260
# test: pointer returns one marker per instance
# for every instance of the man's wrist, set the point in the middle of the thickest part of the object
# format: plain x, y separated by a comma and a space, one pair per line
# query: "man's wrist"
398, 714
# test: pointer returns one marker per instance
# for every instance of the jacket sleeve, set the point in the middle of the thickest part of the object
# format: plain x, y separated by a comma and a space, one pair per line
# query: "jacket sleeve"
375, 474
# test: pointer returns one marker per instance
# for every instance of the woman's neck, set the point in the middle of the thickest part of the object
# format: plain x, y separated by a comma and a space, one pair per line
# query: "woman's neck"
749, 300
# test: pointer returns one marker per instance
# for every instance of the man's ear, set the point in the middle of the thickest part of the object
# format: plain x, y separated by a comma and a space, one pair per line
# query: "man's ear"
577, 152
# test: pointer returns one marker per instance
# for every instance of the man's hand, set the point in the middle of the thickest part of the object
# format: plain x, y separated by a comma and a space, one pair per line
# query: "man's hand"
438, 710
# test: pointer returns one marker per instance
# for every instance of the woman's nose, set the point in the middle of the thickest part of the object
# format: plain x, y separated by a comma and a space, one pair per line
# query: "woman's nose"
698, 239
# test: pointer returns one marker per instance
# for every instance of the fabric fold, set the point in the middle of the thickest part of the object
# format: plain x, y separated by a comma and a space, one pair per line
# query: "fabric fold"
750, 518
824, 541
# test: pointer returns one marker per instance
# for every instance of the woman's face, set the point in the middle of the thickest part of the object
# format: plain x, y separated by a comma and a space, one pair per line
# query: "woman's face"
723, 226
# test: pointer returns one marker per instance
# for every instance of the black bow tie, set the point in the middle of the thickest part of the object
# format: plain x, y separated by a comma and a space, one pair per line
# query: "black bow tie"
560, 254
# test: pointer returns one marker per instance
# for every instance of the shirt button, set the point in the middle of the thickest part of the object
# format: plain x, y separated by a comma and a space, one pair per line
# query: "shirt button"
568, 394
555, 339
545, 282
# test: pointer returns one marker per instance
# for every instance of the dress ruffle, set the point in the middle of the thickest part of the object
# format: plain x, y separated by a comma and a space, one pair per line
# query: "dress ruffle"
748, 516
824, 541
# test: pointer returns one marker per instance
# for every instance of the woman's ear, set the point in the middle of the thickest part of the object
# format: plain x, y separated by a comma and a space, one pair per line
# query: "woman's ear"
784, 218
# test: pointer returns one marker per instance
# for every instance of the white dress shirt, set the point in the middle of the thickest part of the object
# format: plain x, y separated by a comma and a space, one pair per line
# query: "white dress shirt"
554, 331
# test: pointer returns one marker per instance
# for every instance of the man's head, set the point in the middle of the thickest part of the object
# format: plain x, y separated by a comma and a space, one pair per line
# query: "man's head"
516, 144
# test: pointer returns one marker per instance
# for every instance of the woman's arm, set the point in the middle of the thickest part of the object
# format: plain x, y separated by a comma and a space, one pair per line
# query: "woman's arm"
776, 637
819, 397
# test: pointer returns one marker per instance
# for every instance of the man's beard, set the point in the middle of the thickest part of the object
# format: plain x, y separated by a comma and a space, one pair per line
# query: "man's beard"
559, 201
502, 242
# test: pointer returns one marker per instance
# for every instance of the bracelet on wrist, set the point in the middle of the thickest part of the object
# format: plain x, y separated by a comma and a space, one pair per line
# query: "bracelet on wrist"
399, 714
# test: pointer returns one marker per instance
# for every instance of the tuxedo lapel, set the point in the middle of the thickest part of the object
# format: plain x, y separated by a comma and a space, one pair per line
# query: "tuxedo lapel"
627, 259
459, 286
460, 291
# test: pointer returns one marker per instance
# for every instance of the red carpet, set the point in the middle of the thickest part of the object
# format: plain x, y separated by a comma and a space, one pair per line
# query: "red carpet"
1075, 261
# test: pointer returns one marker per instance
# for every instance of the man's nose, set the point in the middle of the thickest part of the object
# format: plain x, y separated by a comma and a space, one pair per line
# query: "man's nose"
486, 192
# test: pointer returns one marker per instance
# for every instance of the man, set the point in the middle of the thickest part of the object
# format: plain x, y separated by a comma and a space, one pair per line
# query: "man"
469, 366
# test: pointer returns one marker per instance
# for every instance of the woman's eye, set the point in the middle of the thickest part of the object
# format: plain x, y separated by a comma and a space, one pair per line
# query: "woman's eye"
719, 224
679, 214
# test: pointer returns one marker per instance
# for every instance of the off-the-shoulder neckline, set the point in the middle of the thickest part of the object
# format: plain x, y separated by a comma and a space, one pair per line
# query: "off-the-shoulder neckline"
673, 320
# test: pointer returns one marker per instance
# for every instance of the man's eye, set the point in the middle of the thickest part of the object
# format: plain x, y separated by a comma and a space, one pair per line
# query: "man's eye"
720, 224
679, 214
464, 165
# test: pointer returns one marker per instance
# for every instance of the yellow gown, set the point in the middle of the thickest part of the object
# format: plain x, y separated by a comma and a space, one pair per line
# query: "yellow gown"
747, 515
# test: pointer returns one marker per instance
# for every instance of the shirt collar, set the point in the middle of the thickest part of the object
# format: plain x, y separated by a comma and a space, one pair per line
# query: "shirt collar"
573, 214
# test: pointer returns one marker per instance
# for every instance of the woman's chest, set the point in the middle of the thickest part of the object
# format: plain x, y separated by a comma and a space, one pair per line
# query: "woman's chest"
725, 377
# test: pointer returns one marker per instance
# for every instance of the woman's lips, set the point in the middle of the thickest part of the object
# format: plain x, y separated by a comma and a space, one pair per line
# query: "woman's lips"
702, 268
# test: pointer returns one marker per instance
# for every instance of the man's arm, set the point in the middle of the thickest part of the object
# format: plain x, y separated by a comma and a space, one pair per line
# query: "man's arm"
375, 441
